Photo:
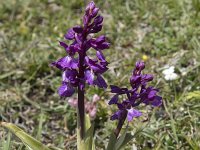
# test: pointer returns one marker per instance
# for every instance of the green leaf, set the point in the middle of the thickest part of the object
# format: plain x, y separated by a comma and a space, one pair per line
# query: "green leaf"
123, 139
120, 140
87, 143
6, 143
89, 137
112, 142
127, 138
87, 122
41, 120
29, 141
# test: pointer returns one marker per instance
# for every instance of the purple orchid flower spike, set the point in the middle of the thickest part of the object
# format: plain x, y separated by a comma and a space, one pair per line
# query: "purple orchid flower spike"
138, 94
89, 70
77, 66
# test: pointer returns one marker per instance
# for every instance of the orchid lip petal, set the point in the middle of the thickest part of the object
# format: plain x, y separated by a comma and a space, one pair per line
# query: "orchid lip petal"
70, 76
65, 63
66, 90
89, 77
133, 113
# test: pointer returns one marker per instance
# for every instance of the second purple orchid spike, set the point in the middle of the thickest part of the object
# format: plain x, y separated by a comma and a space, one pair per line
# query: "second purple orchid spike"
138, 94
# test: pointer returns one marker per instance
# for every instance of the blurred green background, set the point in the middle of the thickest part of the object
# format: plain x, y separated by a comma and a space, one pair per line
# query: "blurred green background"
160, 32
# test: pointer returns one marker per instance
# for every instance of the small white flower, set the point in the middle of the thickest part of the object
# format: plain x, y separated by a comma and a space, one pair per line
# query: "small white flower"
169, 73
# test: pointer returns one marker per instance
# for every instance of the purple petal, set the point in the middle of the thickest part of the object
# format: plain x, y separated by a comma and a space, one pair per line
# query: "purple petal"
117, 115
113, 100
66, 63
100, 56
100, 82
96, 28
136, 79
115, 89
78, 29
133, 113
103, 46
70, 34
72, 63
93, 43
66, 90
114, 117
100, 39
133, 98
93, 64
99, 45
140, 65
120, 106
70, 49
98, 20
89, 77
147, 77
104, 64
152, 94
78, 39
85, 19
70, 76
63, 45
95, 12
157, 101
73, 48
60, 64
90, 6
